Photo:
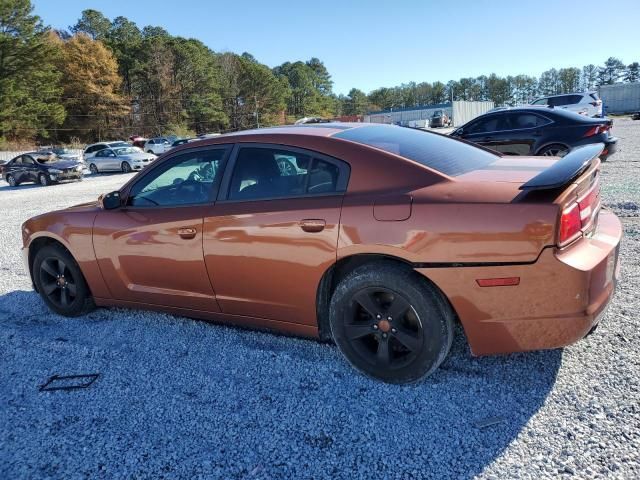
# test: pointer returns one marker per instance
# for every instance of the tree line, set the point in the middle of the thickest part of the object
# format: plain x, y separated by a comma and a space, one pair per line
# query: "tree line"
104, 78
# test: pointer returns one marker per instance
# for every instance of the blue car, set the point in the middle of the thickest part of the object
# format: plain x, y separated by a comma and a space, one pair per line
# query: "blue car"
44, 169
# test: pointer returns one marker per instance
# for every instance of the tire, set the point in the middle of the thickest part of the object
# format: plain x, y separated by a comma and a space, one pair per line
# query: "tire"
44, 180
11, 180
554, 151
126, 168
150, 151
60, 282
398, 350
93, 168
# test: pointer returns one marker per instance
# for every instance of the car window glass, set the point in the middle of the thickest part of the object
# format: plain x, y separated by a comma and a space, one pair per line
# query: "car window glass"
525, 120
261, 173
489, 124
187, 179
27, 160
541, 101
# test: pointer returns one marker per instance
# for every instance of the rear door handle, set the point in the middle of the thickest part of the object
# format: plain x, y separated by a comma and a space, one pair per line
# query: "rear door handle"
187, 232
312, 224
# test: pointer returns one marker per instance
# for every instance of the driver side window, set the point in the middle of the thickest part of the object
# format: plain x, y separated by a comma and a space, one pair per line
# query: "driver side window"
188, 179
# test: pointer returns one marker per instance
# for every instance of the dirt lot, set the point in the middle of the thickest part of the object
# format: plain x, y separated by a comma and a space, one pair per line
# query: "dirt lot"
183, 398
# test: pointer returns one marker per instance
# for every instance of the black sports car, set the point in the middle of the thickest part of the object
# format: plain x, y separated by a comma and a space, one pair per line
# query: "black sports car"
43, 169
537, 131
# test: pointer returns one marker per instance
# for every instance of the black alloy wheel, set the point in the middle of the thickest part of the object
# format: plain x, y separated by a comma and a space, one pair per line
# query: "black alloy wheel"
390, 323
59, 281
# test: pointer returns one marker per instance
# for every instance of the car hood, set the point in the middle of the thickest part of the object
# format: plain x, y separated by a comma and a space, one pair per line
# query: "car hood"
61, 164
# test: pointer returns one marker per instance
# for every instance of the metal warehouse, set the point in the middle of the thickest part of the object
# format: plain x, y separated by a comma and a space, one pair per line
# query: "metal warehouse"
620, 97
459, 111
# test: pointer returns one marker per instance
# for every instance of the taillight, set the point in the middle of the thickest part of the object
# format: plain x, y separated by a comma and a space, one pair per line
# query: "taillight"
597, 130
570, 224
577, 216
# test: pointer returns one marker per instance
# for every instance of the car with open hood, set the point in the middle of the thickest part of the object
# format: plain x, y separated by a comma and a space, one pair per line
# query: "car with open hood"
43, 168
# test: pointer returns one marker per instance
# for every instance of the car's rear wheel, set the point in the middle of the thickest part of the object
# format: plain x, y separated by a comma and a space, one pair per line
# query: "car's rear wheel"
93, 168
60, 282
11, 180
44, 179
554, 151
126, 168
391, 324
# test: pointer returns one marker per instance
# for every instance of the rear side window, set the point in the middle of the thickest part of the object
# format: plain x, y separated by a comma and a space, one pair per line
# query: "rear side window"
541, 101
565, 100
263, 173
446, 155
526, 120
492, 123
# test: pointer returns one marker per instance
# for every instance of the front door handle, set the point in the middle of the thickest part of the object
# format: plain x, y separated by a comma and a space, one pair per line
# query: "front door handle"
187, 232
312, 225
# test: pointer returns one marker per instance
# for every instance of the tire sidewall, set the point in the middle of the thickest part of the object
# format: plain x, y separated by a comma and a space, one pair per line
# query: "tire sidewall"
44, 180
93, 168
11, 180
435, 319
83, 296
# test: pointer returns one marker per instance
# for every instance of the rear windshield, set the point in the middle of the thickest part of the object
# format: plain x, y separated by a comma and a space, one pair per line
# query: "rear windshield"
446, 155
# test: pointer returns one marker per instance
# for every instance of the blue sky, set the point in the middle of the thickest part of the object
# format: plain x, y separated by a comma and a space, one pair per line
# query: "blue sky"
369, 44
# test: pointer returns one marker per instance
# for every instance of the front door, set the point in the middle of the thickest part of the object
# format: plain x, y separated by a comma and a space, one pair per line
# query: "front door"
150, 249
273, 232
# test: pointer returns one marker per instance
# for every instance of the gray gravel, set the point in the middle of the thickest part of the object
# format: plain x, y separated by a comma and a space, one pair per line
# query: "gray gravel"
178, 398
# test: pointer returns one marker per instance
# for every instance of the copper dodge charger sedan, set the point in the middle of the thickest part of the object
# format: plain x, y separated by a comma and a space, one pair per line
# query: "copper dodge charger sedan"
376, 237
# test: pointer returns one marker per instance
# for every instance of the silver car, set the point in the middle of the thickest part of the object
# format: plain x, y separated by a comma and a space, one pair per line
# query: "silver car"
120, 159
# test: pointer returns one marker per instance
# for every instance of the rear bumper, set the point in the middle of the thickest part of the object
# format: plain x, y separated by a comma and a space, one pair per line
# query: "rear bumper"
559, 300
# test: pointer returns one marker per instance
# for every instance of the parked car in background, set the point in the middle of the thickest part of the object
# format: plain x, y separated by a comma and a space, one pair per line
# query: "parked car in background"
587, 103
94, 148
123, 159
378, 237
537, 131
440, 119
635, 116
138, 141
62, 153
44, 169
182, 141
157, 145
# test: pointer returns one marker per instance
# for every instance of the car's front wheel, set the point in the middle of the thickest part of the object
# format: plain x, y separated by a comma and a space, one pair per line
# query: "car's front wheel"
60, 282
93, 169
391, 324
126, 167
11, 180
44, 179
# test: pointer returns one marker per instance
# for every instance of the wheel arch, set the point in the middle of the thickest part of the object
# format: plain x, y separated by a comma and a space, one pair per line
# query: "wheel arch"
37, 244
341, 269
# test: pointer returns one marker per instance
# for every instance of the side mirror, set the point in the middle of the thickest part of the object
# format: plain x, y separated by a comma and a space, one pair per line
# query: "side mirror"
110, 201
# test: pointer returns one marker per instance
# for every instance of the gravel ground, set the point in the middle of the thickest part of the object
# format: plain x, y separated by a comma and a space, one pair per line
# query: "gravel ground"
178, 398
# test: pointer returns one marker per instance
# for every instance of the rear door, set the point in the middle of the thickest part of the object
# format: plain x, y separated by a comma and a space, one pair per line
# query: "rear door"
273, 231
30, 169
150, 250
522, 132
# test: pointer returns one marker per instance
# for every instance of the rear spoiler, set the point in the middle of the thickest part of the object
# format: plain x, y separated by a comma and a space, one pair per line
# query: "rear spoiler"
566, 169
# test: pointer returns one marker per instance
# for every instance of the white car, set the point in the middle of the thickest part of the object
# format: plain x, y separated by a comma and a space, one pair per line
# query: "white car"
91, 150
588, 103
157, 145
120, 159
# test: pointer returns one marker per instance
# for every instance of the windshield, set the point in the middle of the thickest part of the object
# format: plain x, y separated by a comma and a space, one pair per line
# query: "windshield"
118, 144
127, 150
46, 158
